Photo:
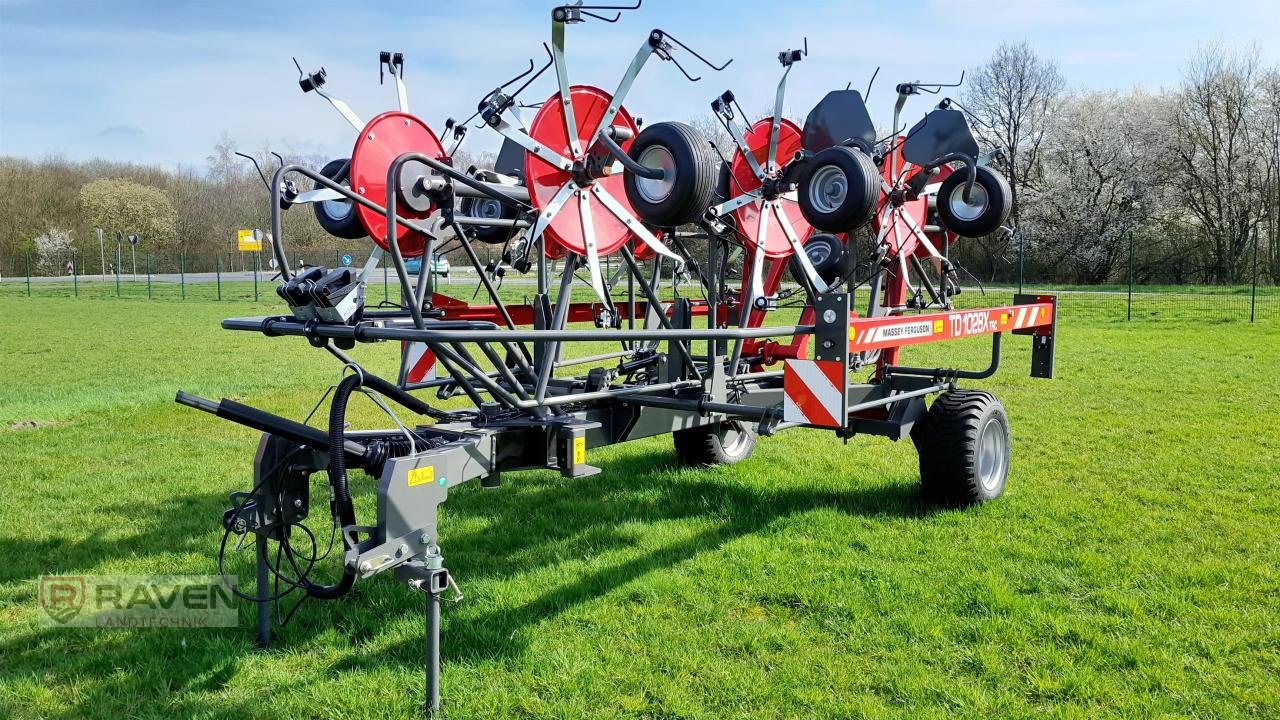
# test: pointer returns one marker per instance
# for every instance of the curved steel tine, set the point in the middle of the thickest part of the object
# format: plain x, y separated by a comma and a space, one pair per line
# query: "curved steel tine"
697, 55
279, 159
254, 160
683, 71
538, 74
613, 19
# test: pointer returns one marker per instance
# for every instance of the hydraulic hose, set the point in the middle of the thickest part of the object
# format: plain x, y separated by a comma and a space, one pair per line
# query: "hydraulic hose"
344, 513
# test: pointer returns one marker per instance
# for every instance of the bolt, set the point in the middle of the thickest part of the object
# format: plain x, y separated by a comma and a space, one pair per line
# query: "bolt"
371, 136
297, 502
361, 189
365, 566
406, 122
828, 344
424, 538
402, 550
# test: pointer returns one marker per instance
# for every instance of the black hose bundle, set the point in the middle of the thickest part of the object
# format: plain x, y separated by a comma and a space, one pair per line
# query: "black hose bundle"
344, 512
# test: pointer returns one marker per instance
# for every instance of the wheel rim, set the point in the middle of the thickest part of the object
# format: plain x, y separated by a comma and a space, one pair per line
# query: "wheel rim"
993, 454
655, 191
828, 189
733, 439
818, 253
336, 210
486, 209
968, 211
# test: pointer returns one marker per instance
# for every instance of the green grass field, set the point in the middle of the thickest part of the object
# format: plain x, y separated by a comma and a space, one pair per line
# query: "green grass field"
1130, 571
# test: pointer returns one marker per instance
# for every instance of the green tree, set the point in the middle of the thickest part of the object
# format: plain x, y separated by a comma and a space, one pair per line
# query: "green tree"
117, 205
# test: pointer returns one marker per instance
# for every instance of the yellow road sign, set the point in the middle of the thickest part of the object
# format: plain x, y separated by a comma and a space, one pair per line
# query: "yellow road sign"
248, 241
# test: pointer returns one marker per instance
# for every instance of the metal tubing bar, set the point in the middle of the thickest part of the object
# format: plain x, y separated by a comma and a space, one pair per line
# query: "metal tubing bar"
621, 155
607, 394
951, 373
654, 302
595, 358
551, 351
367, 332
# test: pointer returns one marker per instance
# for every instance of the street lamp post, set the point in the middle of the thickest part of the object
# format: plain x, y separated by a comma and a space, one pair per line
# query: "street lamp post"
102, 253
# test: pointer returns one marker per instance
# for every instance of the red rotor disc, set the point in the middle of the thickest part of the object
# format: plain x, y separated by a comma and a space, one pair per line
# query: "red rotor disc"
744, 180
544, 180
385, 138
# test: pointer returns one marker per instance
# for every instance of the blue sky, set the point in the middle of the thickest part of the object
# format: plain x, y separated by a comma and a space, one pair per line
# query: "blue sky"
160, 81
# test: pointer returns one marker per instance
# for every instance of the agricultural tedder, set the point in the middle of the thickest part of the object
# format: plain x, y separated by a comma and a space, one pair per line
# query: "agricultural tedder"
580, 182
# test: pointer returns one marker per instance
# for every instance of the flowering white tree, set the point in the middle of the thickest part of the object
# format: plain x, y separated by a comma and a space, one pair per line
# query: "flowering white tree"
53, 250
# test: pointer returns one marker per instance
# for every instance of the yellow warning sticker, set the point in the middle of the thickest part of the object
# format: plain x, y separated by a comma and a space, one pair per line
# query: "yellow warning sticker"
579, 450
937, 326
422, 475
1004, 318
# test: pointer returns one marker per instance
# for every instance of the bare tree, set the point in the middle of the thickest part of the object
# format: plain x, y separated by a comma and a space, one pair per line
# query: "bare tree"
1011, 99
1220, 172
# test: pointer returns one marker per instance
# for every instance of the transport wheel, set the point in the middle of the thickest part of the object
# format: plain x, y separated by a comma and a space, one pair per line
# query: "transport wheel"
829, 257
963, 444
338, 217
838, 189
988, 208
690, 173
722, 443
488, 209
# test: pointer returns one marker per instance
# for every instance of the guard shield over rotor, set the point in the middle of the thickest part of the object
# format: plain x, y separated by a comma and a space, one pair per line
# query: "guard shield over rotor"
941, 132
841, 118
383, 139
742, 179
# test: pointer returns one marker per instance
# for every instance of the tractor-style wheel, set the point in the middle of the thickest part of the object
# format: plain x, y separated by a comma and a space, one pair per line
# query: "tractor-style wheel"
722, 443
338, 217
987, 208
488, 209
688, 184
838, 189
963, 444
829, 256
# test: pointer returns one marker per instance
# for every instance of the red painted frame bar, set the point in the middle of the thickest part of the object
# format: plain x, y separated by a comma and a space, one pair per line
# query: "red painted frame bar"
892, 332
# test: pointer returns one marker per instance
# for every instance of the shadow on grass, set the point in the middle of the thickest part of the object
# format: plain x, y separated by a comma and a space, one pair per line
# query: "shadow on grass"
530, 523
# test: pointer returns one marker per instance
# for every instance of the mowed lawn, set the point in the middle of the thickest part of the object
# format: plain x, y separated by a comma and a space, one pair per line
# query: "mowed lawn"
1130, 570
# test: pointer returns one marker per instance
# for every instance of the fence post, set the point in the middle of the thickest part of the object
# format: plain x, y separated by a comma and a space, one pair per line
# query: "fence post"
1129, 312
337, 261
26, 259
217, 273
1253, 297
117, 271
385, 293
255, 277
75, 275
148, 276
182, 273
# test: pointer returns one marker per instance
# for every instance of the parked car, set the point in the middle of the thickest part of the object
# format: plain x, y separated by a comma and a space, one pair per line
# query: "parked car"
439, 265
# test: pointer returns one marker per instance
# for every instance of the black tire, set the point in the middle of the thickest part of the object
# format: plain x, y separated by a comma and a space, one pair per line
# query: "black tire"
338, 217
838, 189
688, 190
722, 443
489, 209
989, 206
963, 444
829, 257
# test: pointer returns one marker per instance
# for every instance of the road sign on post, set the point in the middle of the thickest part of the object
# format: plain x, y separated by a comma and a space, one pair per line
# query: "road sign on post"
249, 240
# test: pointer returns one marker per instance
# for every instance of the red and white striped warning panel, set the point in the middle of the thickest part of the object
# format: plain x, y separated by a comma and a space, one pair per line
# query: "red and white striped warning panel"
419, 363
874, 333
813, 392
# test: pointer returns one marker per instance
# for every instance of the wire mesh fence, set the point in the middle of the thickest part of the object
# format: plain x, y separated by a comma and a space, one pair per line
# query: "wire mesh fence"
237, 276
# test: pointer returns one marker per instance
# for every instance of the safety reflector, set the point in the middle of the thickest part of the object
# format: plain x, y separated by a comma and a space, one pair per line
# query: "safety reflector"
419, 363
813, 392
